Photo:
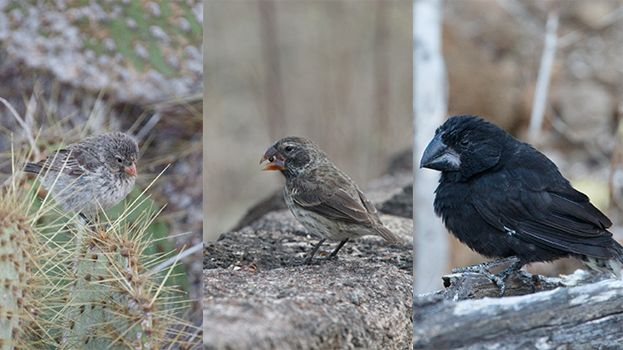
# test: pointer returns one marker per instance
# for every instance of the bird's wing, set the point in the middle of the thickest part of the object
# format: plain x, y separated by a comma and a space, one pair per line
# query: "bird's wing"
335, 205
67, 161
544, 210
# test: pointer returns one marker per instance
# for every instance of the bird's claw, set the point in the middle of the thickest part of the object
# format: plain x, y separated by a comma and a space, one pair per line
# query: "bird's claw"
498, 279
308, 260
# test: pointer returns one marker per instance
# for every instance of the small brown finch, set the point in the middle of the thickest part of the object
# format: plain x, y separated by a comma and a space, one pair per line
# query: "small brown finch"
322, 198
95, 173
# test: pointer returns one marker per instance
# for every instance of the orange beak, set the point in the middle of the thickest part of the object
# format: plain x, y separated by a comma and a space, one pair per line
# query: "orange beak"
130, 170
273, 160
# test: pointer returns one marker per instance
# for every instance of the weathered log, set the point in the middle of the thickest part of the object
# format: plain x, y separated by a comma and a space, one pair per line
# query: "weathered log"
572, 312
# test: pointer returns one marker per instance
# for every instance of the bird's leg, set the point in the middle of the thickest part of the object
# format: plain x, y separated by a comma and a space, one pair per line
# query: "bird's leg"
498, 280
513, 268
525, 277
309, 257
333, 255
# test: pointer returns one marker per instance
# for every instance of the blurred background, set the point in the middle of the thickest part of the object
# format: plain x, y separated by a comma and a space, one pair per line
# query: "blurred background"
76, 68
493, 50
338, 72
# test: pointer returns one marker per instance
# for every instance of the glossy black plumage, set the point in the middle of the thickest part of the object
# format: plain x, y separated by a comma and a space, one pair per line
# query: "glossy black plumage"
503, 198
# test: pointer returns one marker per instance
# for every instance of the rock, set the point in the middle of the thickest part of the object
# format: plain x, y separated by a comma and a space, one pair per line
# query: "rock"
402, 162
334, 305
592, 13
485, 47
271, 203
136, 55
401, 204
586, 107
279, 240
258, 295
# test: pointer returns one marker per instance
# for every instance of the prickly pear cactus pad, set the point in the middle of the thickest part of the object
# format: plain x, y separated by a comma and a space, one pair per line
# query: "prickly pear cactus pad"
136, 50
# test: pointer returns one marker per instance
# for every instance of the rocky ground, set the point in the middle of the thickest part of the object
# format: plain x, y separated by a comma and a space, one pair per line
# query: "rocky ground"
257, 292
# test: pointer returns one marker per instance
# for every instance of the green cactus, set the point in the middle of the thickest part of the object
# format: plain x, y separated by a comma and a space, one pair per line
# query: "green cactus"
14, 266
66, 285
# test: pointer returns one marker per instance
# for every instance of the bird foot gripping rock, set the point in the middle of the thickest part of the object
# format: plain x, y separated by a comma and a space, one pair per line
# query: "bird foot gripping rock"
513, 270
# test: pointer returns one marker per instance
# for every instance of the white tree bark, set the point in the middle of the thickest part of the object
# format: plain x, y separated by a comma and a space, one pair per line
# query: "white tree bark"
429, 109
544, 77
571, 312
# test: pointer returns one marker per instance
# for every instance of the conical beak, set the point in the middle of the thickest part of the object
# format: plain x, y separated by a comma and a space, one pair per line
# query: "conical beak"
273, 160
438, 156
130, 170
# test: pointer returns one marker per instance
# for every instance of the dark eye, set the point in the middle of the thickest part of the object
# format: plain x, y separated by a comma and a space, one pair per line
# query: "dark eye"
464, 142
289, 149
119, 160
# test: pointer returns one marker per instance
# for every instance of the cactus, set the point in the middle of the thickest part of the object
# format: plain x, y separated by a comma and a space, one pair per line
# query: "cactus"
14, 271
67, 285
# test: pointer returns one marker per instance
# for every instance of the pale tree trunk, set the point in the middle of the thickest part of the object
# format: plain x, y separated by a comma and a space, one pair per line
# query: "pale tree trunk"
429, 109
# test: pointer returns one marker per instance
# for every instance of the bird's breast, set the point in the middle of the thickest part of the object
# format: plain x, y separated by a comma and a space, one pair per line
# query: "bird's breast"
453, 203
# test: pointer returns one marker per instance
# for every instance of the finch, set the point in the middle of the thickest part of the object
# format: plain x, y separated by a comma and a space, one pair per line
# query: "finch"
321, 197
503, 198
95, 173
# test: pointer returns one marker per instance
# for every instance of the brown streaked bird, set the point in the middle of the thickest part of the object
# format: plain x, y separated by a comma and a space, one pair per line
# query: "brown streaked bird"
321, 197
95, 173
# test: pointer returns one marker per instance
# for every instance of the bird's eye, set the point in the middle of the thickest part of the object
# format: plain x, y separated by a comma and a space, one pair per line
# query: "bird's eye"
119, 160
289, 149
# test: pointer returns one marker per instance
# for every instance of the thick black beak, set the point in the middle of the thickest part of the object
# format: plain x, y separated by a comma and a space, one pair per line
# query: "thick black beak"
438, 156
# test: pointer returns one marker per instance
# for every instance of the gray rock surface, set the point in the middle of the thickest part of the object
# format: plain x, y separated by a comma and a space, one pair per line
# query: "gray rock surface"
258, 295
340, 304
137, 51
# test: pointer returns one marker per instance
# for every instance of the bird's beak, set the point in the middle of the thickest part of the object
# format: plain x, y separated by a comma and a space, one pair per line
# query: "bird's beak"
273, 160
130, 170
438, 156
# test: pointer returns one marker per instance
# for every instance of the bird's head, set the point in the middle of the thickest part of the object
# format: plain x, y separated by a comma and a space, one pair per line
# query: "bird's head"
292, 156
120, 153
466, 145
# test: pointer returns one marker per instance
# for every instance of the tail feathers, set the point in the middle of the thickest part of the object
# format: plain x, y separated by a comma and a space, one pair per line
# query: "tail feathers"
613, 265
32, 168
617, 261
388, 235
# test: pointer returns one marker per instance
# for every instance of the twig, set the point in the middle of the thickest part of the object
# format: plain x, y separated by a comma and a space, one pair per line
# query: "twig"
178, 257
155, 118
605, 21
544, 77
24, 126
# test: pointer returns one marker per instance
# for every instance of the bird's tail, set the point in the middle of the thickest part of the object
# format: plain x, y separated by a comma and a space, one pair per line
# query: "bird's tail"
616, 263
388, 235
32, 168
613, 265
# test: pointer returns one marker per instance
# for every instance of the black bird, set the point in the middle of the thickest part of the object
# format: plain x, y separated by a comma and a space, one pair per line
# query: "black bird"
505, 199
